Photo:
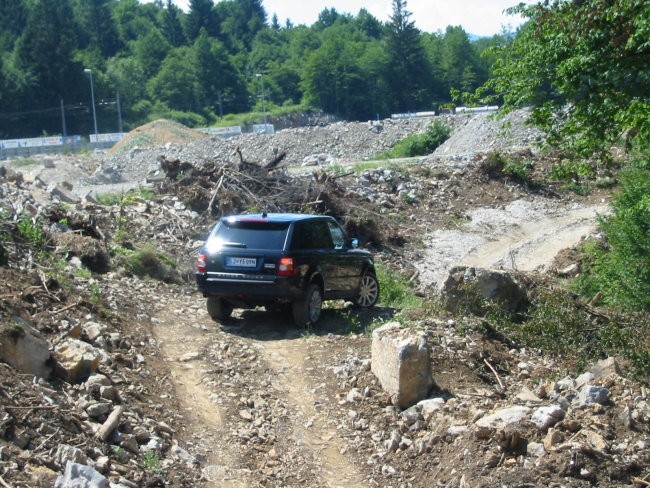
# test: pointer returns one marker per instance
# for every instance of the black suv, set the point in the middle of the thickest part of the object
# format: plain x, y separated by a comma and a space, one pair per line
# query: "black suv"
292, 261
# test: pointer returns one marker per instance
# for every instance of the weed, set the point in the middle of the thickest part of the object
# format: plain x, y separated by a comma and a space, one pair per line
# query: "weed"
574, 175
31, 231
498, 165
119, 453
95, 293
82, 273
26, 163
151, 461
396, 289
129, 197
419, 144
146, 262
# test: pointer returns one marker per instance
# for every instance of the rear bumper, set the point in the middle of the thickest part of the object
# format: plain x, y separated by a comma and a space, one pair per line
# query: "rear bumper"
253, 289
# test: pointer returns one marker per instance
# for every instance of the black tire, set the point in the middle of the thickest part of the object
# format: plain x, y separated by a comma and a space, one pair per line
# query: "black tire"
308, 311
218, 308
368, 292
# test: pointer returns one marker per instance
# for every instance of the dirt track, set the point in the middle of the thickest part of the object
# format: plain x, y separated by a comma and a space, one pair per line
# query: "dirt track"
524, 236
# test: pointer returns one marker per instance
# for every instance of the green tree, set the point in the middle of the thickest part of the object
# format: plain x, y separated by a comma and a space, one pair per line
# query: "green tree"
409, 76
369, 25
97, 26
173, 25
176, 82
459, 63
150, 51
584, 67
220, 85
241, 21
13, 17
132, 20
334, 78
45, 52
201, 15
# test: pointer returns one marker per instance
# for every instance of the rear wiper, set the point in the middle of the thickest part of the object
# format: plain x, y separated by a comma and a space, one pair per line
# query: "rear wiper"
233, 244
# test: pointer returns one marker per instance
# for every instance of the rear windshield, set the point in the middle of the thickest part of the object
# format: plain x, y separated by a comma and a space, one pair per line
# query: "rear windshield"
251, 234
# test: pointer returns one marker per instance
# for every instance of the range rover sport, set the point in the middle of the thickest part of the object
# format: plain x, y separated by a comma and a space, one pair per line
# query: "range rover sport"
283, 261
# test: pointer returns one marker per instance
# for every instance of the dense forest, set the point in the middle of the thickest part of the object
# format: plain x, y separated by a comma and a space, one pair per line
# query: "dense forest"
152, 60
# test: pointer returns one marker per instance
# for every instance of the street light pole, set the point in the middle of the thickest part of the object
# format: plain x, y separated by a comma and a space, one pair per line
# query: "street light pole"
92, 94
259, 75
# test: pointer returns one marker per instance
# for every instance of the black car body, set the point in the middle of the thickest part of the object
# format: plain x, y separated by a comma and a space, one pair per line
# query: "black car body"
283, 260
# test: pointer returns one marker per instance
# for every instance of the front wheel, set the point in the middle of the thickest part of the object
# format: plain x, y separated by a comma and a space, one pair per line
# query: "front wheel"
308, 311
218, 308
368, 293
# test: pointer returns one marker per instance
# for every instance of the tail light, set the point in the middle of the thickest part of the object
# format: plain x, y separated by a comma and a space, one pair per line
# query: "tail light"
201, 264
287, 267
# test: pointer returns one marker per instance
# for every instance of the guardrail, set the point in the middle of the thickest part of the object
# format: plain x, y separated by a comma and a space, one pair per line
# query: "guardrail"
61, 144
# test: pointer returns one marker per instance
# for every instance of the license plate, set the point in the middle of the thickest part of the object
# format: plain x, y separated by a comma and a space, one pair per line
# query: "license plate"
241, 262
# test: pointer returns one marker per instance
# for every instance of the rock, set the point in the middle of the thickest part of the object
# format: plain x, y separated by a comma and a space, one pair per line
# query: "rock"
354, 395
23, 347
64, 194
65, 454
590, 395
430, 406
605, 367
393, 443
596, 440
99, 409
552, 439
504, 417
75, 360
584, 379
80, 476
463, 282
525, 395
535, 449
400, 360
93, 330
545, 417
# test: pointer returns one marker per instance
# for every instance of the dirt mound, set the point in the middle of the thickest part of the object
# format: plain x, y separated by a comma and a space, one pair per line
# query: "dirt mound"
155, 134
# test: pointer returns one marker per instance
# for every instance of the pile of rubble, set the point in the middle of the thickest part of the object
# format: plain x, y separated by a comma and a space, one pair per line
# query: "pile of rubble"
337, 143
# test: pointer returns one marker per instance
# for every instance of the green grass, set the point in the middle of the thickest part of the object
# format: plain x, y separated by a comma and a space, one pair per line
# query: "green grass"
251, 118
145, 262
129, 197
396, 289
419, 144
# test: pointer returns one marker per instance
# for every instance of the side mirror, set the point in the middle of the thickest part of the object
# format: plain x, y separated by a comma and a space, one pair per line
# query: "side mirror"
355, 243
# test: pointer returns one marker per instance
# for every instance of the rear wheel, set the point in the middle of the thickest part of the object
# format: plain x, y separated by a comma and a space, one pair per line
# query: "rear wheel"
368, 293
308, 311
218, 308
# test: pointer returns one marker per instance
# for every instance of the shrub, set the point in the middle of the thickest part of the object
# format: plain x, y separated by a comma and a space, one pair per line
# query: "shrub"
419, 144
620, 269
31, 231
561, 325
146, 262
396, 289
498, 165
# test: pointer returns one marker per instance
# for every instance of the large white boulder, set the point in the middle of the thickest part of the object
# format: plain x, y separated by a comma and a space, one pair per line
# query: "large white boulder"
401, 362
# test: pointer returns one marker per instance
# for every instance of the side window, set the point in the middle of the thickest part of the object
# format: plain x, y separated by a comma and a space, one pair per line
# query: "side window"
311, 235
322, 238
299, 239
338, 237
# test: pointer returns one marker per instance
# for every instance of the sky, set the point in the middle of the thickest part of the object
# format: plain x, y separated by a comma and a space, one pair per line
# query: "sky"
477, 17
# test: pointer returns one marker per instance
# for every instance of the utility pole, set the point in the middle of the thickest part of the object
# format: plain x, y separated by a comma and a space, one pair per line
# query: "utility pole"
65, 132
92, 94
